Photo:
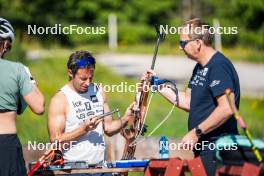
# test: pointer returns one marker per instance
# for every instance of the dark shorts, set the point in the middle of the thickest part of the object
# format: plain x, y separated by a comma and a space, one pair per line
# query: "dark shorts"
11, 156
209, 162
208, 158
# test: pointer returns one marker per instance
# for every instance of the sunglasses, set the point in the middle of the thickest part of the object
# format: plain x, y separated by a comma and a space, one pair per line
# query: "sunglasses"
85, 61
183, 43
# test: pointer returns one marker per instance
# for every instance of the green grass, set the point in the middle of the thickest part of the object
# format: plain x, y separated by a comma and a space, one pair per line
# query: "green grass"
252, 111
244, 54
51, 75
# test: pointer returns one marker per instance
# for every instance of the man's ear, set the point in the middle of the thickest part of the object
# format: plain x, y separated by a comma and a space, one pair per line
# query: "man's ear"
70, 73
7, 45
5, 48
199, 42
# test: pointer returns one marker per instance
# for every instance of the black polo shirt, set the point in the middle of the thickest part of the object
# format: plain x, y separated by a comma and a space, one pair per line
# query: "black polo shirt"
208, 82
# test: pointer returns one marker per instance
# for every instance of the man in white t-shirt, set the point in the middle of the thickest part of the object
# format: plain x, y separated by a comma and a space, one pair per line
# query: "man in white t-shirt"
73, 113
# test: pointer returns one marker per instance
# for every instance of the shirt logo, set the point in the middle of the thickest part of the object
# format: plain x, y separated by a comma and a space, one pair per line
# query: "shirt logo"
94, 98
90, 113
205, 71
214, 83
99, 111
87, 106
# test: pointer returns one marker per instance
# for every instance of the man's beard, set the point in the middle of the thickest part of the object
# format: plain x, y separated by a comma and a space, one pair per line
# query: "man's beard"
79, 88
82, 90
189, 55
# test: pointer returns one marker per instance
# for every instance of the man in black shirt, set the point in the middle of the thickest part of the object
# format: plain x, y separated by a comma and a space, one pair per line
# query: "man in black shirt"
210, 115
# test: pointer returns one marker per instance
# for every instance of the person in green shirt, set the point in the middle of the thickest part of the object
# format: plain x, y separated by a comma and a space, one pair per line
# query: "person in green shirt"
16, 86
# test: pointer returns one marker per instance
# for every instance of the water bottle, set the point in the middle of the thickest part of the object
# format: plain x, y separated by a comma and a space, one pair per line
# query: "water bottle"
163, 148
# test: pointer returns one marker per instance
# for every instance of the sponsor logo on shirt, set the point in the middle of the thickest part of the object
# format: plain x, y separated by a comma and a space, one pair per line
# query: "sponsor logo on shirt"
94, 98
99, 111
87, 106
90, 113
205, 70
76, 104
199, 78
97, 105
214, 83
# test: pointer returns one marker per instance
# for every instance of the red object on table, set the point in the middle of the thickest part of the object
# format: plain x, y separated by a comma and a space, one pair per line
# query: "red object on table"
247, 169
175, 167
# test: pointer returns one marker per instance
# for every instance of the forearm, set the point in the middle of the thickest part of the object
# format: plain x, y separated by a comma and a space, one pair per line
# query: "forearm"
39, 92
170, 95
218, 117
72, 135
40, 97
115, 126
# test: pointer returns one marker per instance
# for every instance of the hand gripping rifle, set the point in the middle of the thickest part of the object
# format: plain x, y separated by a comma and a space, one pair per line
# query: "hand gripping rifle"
138, 127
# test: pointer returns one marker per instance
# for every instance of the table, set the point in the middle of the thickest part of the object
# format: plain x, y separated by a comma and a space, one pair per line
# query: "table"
92, 171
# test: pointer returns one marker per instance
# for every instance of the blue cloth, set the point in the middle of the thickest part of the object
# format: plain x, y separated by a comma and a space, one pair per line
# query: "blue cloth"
207, 83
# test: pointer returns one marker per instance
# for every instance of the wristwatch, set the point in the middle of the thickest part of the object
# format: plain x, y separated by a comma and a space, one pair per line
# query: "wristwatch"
198, 132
